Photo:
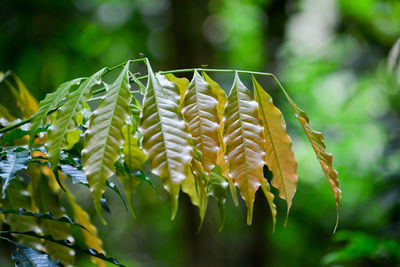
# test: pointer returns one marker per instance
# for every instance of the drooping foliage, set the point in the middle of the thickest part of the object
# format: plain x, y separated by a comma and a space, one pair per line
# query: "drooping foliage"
191, 134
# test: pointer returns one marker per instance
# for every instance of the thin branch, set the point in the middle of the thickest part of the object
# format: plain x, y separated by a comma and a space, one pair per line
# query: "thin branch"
137, 79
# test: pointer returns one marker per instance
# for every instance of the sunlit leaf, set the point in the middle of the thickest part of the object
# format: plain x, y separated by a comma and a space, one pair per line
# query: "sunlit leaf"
50, 102
245, 146
325, 159
66, 118
279, 150
17, 159
222, 98
200, 111
104, 137
165, 135
72, 138
134, 157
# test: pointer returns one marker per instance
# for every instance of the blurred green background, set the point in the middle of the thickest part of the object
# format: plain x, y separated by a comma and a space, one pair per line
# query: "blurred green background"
331, 56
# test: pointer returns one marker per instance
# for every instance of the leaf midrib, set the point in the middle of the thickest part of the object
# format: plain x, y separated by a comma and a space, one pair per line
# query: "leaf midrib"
109, 126
243, 141
272, 143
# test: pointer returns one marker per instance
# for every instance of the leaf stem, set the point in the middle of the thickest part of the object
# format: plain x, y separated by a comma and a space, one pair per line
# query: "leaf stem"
136, 79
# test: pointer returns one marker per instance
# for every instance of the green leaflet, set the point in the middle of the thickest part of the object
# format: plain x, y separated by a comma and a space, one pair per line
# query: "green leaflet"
165, 135
104, 137
72, 138
245, 145
49, 103
17, 159
28, 257
39, 215
195, 185
66, 118
200, 111
134, 159
217, 187
279, 150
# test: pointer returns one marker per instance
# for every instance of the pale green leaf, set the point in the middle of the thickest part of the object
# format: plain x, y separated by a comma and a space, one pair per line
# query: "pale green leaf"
182, 84
66, 118
50, 102
72, 138
104, 137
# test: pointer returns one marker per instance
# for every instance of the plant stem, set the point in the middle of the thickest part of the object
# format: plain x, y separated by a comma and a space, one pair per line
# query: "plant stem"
137, 79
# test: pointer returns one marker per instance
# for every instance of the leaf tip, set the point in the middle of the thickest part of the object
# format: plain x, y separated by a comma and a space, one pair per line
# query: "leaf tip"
250, 212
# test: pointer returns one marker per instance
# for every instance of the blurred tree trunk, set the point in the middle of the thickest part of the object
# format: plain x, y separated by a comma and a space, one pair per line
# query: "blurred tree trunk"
191, 48
208, 248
